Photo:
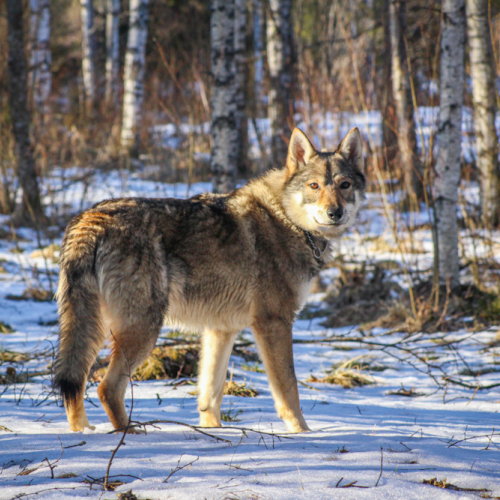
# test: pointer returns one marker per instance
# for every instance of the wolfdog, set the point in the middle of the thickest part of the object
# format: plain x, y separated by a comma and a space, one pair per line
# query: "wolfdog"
213, 264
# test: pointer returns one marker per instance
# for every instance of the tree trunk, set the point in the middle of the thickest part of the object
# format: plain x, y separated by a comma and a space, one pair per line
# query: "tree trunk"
407, 141
227, 36
41, 59
18, 100
112, 51
280, 59
389, 138
482, 69
258, 51
448, 137
133, 80
88, 53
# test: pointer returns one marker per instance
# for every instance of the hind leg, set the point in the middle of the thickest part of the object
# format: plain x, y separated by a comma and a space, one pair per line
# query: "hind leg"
75, 411
131, 347
73, 380
216, 349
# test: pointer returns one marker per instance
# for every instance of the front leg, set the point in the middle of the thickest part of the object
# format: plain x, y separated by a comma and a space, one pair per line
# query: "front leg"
215, 352
274, 338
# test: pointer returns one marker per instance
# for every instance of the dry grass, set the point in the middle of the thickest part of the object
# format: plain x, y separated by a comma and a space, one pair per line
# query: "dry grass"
169, 362
358, 297
253, 367
239, 389
231, 414
49, 252
36, 294
5, 328
373, 299
348, 375
409, 393
235, 389
7, 356
163, 363
152, 369
446, 485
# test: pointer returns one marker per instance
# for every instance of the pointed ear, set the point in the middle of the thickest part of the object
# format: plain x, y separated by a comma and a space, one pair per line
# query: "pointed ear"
300, 151
351, 148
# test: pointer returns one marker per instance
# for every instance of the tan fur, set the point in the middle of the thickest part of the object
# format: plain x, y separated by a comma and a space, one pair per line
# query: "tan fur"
213, 265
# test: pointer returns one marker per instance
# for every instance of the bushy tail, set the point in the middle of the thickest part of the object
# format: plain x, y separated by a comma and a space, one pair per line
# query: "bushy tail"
80, 331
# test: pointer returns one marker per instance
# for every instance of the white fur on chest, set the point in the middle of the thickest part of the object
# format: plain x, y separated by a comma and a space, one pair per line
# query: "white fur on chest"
304, 291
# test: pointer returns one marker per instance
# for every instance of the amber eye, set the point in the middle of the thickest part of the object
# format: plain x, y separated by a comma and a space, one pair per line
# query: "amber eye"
345, 185
314, 185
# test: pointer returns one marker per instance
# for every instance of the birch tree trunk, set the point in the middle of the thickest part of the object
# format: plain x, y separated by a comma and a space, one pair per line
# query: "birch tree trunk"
227, 37
280, 61
112, 51
448, 137
407, 140
133, 80
482, 69
88, 53
40, 78
18, 100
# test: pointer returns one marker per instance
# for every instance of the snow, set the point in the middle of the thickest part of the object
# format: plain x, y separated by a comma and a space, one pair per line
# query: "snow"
364, 442
326, 129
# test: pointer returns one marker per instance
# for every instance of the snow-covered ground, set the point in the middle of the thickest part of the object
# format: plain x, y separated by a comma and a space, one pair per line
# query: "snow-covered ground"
364, 442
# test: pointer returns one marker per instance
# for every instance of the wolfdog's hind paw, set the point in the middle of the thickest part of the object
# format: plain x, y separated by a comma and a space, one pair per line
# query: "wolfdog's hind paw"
80, 428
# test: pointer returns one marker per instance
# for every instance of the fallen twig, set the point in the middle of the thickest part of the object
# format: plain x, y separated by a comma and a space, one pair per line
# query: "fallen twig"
381, 465
349, 485
154, 422
489, 436
21, 495
178, 468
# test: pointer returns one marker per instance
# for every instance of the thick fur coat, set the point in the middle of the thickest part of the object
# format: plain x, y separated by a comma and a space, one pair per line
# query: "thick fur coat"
213, 264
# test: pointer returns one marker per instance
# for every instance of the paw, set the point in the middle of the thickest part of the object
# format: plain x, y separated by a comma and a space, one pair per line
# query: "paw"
297, 426
81, 428
209, 419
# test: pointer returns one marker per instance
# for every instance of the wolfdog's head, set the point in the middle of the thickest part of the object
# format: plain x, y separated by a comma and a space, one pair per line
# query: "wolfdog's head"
324, 190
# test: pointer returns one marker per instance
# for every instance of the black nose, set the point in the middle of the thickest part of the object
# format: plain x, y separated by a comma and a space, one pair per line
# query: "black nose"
335, 213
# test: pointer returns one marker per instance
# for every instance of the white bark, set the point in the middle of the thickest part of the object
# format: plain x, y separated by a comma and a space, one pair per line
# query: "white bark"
40, 78
88, 52
449, 136
227, 33
280, 61
133, 80
407, 142
112, 50
482, 69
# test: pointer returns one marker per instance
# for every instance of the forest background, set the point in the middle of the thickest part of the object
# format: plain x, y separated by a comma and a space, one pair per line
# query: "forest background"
213, 90
199, 91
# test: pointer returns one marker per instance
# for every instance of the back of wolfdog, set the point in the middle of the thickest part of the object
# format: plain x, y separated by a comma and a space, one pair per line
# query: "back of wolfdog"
112, 285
